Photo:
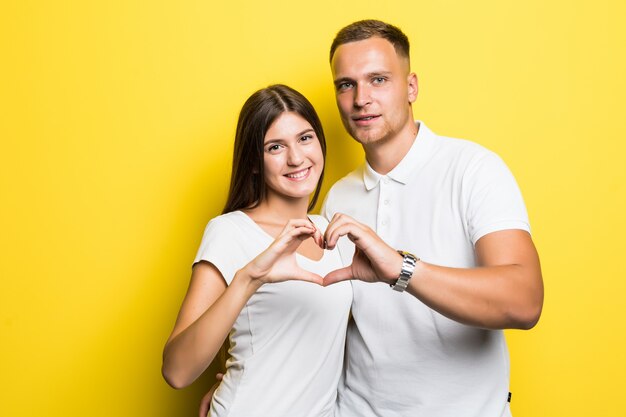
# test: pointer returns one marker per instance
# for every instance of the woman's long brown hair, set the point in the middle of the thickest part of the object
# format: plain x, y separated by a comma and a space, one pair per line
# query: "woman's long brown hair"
247, 184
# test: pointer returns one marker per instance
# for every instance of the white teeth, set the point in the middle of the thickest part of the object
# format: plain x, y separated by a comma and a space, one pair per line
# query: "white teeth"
298, 175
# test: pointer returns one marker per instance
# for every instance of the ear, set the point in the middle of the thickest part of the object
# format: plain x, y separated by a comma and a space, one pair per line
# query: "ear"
412, 87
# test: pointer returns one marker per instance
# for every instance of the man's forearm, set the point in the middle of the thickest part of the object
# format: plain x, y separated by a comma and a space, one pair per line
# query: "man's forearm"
495, 297
506, 291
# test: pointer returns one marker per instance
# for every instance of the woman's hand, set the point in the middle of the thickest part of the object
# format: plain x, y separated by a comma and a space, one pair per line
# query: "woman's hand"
278, 263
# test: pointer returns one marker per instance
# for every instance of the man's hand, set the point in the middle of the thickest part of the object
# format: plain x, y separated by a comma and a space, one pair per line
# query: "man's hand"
373, 259
205, 403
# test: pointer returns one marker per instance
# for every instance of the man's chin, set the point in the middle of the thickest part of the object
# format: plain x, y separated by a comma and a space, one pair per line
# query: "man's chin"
366, 138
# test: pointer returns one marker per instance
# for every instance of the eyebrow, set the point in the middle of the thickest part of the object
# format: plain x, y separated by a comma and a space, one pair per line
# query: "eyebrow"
379, 73
372, 74
342, 79
310, 129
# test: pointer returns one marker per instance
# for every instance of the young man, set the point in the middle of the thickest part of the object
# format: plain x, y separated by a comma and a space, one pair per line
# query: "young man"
438, 217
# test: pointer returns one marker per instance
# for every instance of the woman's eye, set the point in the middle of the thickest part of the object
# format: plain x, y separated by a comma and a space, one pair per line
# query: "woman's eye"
306, 138
273, 148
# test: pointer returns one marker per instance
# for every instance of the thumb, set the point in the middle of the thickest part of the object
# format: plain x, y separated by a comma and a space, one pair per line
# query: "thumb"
303, 275
338, 275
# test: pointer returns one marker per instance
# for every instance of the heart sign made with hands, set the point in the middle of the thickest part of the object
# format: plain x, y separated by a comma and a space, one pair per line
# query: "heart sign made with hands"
373, 259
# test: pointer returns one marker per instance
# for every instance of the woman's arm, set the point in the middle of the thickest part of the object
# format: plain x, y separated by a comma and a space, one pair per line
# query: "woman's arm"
208, 312
210, 307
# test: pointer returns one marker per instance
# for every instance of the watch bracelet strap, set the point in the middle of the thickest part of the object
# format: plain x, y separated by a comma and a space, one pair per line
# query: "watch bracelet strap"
408, 266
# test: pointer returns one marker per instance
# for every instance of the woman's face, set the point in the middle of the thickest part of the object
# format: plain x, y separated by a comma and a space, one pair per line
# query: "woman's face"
293, 157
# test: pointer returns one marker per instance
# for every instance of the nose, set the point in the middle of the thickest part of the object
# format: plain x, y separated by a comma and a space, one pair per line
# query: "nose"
361, 96
295, 156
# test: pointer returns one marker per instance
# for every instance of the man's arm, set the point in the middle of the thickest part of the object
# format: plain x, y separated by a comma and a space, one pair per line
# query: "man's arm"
205, 402
504, 291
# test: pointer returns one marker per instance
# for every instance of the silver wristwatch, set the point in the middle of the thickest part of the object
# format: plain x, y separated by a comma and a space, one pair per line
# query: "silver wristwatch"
408, 266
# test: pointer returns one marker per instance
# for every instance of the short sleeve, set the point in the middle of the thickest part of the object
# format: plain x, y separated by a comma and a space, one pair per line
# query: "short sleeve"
494, 200
220, 247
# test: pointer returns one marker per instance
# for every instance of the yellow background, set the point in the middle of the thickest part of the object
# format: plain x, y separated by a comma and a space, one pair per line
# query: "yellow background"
116, 126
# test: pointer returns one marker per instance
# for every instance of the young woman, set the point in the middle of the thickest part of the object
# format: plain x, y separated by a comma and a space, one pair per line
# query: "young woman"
256, 276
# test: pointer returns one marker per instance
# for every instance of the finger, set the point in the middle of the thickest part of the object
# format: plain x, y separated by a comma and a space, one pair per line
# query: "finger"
337, 220
303, 275
204, 409
205, 403
293, 223
295, 236
317, 236
338, 275
352, 230
301, 233
296, 224
339, 217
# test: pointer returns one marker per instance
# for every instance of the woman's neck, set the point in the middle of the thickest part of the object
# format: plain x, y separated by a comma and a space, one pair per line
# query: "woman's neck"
278, 211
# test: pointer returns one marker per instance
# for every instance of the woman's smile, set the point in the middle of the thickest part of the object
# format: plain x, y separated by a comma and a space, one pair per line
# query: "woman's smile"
299, 175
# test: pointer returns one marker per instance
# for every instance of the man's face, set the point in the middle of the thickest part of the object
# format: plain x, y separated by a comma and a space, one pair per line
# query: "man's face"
374, 90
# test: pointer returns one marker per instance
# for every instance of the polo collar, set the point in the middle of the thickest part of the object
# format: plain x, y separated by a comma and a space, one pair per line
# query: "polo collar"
413, 160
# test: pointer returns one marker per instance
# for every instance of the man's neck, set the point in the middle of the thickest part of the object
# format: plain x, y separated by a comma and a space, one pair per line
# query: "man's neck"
386, 155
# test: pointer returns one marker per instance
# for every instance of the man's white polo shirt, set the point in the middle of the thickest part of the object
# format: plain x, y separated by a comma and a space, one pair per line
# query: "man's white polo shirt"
402, 358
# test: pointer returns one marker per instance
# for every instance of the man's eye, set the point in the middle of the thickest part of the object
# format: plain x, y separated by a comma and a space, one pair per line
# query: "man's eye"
344, 86
379, 80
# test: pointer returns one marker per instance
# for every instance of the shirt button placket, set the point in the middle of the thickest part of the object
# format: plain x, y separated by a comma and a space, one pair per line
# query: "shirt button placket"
383, 208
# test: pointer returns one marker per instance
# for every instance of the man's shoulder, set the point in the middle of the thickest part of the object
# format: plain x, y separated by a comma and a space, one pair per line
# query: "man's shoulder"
463, 154
343, 190
461, 147
351, 180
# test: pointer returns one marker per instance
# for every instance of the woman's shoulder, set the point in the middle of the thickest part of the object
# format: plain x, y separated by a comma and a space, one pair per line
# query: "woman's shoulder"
226, 223
228, 218
226, 231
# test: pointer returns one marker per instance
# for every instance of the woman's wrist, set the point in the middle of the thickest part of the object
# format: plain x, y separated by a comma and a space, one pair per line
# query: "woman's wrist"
246, 280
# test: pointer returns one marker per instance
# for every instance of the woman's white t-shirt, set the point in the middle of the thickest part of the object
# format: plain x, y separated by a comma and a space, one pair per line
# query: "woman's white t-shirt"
287, 343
